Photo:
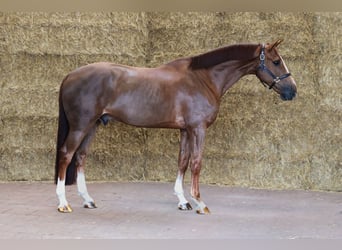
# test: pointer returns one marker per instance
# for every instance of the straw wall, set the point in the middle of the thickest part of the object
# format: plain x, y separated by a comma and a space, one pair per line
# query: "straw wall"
257, 140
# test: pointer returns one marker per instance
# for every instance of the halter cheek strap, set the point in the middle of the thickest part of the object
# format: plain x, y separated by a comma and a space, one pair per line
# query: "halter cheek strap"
263, 67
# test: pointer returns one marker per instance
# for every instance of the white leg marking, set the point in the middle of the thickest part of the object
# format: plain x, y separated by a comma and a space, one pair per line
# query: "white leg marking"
83, 192
60, 191
201, 207
183, 203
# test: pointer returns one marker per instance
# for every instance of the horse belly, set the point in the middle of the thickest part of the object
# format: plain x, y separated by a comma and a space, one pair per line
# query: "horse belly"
146, 111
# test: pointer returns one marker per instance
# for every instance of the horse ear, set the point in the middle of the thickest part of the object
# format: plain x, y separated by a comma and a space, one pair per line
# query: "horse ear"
274, 45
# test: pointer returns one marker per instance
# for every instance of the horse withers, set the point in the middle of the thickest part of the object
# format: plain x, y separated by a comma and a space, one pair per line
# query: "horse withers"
183, 94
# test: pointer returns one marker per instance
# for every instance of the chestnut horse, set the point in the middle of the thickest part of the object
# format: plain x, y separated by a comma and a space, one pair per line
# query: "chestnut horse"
183, 94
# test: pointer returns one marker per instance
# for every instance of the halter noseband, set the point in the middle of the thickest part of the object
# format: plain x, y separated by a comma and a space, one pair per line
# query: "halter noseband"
263, 67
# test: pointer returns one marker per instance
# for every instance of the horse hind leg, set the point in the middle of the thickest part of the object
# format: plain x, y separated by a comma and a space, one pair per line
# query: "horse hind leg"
66, 158
63, 205
81, 153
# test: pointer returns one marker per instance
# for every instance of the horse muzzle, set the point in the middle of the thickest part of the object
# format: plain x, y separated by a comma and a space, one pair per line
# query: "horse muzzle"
288, 92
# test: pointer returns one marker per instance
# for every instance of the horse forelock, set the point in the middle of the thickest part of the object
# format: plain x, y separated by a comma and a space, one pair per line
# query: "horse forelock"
224, 54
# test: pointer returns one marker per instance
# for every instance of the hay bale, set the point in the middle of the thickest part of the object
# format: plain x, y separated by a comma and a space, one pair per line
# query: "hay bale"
329, 63
162, 147
328, 102
74, 33
31, 164
119, 151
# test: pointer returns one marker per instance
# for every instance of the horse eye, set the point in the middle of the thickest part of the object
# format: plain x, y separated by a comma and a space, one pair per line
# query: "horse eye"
276, 63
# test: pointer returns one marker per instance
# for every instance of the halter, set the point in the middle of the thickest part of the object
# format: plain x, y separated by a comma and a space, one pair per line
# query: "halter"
263, 67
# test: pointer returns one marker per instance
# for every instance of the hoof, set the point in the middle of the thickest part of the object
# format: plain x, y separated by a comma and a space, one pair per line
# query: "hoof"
90, 205
205, 210
65, 209
185, 206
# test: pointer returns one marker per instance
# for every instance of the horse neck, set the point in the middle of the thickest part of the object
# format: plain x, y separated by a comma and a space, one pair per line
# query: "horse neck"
226, 74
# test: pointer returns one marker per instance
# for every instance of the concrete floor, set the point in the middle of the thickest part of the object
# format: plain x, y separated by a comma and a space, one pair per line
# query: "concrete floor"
149, 211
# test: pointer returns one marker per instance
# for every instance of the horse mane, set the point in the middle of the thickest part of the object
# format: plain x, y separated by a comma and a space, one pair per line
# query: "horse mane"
223, 54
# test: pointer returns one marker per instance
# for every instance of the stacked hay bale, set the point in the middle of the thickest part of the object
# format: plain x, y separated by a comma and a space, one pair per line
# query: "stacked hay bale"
37, 51
324, 123
257, 140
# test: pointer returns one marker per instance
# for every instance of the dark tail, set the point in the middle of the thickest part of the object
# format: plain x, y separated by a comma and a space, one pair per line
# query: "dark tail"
63, 130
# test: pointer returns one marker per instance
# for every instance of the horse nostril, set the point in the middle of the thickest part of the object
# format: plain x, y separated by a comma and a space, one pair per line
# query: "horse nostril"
287, 96
284, 98
288, 93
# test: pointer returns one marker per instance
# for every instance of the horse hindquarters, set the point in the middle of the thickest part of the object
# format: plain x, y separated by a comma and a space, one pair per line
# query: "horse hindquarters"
75, 131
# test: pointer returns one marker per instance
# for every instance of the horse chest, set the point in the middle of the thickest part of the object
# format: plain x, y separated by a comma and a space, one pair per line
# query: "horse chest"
199, 109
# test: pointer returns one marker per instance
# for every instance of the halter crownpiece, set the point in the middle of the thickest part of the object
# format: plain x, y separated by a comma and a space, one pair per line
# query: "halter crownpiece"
263, 67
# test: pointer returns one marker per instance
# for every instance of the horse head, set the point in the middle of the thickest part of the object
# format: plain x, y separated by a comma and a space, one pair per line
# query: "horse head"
272, 72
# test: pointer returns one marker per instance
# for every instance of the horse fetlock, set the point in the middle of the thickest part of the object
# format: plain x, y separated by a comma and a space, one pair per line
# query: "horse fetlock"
201, 208
183, 203
88, 201
184, 206
90, 205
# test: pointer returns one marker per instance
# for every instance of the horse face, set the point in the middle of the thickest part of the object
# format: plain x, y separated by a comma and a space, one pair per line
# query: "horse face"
273, 72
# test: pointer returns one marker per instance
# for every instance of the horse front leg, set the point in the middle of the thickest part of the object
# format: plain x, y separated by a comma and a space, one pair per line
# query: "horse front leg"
183, 162
197, 136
